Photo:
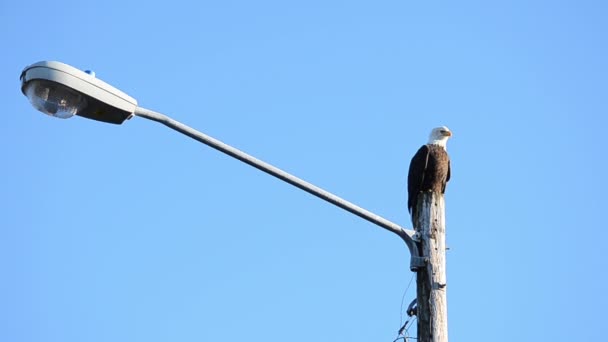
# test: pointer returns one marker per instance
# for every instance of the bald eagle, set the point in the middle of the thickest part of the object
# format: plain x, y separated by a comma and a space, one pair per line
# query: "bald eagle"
429, 168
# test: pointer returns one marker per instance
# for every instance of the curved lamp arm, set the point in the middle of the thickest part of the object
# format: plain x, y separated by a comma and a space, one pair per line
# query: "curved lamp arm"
406, 234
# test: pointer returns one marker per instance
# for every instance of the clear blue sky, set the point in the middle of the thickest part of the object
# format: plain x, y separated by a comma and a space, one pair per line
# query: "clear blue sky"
137, 233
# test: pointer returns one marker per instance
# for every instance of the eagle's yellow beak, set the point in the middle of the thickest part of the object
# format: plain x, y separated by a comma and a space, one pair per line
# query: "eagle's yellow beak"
447, 133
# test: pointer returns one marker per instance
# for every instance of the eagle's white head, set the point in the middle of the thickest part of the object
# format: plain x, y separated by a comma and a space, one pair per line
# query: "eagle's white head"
439, 136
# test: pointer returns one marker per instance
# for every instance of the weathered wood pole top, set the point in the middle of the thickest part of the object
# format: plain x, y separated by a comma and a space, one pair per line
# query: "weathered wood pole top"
431, 280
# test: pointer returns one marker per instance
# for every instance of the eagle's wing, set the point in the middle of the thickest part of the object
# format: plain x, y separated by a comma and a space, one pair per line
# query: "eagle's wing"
415, 177
447, 178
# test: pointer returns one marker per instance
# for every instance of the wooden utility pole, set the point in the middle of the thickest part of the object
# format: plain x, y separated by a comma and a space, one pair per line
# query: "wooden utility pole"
431, 291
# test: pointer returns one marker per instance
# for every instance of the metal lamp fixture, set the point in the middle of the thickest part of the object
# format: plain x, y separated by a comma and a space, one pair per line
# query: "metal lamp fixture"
60, 90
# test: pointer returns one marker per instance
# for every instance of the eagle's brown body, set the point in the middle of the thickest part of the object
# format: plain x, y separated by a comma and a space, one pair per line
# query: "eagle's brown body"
429, 171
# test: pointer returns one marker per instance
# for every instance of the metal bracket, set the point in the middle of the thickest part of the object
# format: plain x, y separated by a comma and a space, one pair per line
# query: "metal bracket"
411, 237
417, 263
412, 309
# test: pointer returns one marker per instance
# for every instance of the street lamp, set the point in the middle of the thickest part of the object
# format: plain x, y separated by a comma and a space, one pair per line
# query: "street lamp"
60, 90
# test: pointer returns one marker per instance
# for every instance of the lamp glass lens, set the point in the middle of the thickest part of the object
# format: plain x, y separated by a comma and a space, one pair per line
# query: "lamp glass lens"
54, 99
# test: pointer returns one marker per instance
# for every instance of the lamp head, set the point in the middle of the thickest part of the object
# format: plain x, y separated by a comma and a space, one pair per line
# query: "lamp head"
63, 91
